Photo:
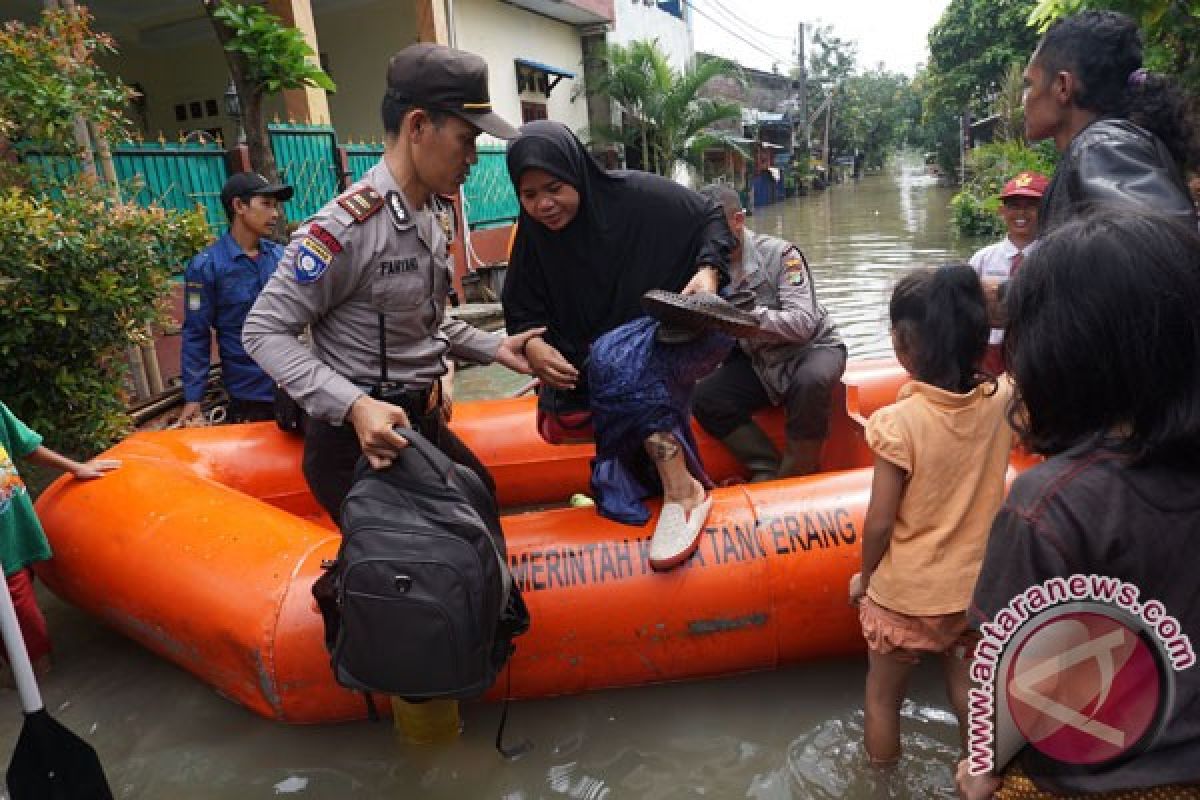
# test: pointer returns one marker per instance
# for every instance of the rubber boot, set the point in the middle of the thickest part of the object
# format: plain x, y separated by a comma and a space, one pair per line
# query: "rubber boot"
755, 450
802, 457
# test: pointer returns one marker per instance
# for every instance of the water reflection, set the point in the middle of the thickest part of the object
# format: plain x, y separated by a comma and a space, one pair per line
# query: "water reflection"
787, 735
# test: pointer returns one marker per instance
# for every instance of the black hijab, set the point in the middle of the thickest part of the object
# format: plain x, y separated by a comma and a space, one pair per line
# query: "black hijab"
634, 231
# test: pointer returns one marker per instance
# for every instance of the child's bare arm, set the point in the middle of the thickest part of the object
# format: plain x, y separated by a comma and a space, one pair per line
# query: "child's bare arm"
95, 468
887, 487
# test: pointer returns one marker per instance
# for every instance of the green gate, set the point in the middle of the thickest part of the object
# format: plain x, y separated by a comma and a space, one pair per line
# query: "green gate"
488, 193
174, 176
361, 157
306, 157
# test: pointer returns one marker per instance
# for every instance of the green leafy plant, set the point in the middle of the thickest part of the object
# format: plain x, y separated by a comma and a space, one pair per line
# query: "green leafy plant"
265, 56
81, 277
43, 88
277, 55
665, 117
81, 273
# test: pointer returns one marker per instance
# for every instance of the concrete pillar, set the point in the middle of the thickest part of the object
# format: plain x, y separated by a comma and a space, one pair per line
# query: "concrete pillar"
432, 22
310, 103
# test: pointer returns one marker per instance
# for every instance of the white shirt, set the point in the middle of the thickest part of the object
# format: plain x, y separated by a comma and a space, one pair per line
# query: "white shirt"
994, 262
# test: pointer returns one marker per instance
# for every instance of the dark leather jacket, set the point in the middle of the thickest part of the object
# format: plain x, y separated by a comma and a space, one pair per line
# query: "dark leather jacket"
1114, 162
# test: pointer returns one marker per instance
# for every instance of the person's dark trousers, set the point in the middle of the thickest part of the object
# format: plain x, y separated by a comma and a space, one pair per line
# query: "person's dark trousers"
250, 410
724, 400
331, 453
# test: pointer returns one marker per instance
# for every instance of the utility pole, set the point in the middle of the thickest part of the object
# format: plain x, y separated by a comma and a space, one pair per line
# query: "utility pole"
803, 91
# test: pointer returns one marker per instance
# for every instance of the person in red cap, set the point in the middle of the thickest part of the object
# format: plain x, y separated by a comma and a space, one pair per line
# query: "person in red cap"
1019, 202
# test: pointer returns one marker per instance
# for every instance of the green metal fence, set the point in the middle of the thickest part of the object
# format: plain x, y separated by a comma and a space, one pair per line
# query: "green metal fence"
306, 157
174, 176
488, 192
490, 199
182, 176
361, 157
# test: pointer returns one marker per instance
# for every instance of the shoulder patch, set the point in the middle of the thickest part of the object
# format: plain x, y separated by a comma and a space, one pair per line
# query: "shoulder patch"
315, 231
795, 271
361, 203
312, 260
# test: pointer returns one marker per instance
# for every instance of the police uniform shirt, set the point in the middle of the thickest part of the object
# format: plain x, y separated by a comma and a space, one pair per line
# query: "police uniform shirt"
368, 252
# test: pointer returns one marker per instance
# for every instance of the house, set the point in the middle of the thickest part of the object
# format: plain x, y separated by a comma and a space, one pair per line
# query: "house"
668, 22
169, 53
770, 130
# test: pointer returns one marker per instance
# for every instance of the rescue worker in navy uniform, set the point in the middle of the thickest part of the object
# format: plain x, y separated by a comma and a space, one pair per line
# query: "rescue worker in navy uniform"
796, 360
220, 286
371, 274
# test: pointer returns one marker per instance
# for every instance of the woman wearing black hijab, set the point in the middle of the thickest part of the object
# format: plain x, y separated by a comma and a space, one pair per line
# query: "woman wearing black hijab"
589, 244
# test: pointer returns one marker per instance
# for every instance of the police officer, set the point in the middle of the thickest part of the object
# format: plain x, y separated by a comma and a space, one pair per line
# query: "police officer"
795, 361
221, 284
371, 274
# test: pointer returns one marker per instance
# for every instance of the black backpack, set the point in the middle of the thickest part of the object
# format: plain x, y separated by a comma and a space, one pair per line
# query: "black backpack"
420, 602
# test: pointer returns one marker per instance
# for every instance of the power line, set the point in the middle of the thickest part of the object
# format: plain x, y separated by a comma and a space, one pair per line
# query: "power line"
755, 31
773, 56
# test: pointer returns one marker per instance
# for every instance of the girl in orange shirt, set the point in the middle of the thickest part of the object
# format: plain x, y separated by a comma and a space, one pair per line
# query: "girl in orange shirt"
941, 452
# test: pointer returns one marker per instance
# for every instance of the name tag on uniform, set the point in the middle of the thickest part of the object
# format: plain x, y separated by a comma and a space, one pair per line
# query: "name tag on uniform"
397, 265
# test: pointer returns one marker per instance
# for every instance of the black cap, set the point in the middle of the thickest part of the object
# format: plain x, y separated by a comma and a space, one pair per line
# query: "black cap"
241, 184
438, 78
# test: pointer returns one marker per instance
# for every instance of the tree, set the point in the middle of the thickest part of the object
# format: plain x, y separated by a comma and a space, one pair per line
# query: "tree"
666, 117
973, 45
82, 272
877, 111
265, 57
831, 60
1010, 106
972, 48
1171, 30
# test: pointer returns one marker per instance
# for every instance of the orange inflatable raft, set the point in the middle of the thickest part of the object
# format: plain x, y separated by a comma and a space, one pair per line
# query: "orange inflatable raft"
205, 545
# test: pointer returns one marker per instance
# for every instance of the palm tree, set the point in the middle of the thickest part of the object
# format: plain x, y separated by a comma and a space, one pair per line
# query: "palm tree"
1009, 104
665, 116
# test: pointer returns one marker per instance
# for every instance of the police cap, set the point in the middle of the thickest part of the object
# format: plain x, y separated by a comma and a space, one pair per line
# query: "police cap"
439, 78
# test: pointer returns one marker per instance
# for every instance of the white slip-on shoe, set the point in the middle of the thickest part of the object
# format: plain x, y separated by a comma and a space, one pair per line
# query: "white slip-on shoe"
677, 534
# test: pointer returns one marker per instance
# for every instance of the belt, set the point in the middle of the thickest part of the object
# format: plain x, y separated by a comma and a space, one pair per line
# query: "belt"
416, 402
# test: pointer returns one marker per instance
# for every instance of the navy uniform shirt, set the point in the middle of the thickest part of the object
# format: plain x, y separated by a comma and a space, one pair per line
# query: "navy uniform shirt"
222, 283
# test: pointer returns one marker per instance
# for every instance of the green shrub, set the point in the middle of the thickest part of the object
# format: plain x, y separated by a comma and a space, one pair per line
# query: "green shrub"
989, 167
80, 278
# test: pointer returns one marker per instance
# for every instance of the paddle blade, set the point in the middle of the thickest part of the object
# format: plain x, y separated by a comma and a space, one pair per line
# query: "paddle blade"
51, 763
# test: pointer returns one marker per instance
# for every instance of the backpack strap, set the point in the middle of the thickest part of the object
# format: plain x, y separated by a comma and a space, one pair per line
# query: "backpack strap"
372, 711
525, 745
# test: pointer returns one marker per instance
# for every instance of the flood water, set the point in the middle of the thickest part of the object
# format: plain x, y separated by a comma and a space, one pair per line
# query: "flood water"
784, 735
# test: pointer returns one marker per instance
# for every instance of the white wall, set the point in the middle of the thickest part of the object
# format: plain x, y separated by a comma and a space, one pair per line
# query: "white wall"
500, 32
635, 20
357, 42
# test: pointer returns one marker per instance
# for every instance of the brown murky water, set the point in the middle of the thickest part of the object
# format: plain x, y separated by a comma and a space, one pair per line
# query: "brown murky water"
785, 735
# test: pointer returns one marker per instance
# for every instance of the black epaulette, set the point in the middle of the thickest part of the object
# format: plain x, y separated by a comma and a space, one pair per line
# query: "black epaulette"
361, 203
